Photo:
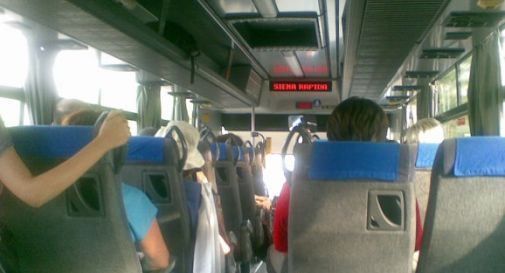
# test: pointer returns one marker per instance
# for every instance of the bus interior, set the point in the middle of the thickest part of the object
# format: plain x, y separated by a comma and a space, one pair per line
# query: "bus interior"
270, 72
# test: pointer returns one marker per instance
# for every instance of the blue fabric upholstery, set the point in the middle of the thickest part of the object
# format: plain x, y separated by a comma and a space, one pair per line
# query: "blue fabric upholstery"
54, 142
354, 160
223, 153
480, 156
238, 153
146, 149
426, 155
221, 149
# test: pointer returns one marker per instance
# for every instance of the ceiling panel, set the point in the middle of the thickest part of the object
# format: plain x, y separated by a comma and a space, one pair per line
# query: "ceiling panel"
388, 31
314, 63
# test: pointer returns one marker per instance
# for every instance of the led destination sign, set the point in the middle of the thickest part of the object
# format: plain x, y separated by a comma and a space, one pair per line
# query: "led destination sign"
285, 86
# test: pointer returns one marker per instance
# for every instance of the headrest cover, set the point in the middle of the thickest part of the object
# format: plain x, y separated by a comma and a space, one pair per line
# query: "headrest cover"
426, 153
54, 142
146, 149
238, 154
480, 156
355, 160
220, 148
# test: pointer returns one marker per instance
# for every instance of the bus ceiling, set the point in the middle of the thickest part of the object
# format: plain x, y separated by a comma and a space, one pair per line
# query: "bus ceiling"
228, 52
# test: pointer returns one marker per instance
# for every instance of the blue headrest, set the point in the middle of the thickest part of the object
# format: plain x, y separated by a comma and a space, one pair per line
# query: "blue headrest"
223, 153
146, 149
354, 160
55, 142
426, 153
480, 156
221, 148
238, 153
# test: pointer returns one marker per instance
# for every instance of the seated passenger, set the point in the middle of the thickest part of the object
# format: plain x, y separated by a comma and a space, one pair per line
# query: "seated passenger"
355, 119
66, 107
428, 130
209, 246
140, 211
38, 190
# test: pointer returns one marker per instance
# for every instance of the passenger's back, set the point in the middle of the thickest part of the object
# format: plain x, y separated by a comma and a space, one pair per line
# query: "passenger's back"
352, 207
83, 229
465, 221
425, 156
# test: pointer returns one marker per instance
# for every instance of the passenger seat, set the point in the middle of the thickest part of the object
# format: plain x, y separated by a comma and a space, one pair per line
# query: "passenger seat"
352, 208
425, 156
82, 230
465, 221
153, 166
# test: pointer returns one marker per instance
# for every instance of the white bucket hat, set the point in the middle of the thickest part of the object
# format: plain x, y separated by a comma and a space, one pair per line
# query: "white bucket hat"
192, 136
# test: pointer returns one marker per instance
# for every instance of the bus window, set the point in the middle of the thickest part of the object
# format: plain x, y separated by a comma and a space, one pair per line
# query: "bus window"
446, 94
274, 172
133, 127
503, 56
464, 78
10, 111
13, 73
14, 56
167, 102
459, 127
75, 74
118, 84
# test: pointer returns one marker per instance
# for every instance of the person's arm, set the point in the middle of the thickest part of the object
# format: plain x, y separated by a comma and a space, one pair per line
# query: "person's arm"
156, 255
36, 191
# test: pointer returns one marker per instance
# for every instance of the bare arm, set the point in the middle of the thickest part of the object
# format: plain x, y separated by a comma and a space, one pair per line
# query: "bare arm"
36, 191
154, 248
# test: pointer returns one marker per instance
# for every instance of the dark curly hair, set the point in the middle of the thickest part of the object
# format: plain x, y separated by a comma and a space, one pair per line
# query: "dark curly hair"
357, 119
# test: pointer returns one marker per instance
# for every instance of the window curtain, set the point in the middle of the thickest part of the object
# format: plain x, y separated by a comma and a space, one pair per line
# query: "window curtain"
484, 91
424, 100
40, 88
148, 101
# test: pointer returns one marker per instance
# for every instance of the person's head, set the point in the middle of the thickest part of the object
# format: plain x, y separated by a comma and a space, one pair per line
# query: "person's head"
83, 117
192, 137
66, 107
428, 130
235, 140
357, 119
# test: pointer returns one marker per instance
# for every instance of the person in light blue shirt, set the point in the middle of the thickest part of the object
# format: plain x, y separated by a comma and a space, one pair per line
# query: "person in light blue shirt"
140, 211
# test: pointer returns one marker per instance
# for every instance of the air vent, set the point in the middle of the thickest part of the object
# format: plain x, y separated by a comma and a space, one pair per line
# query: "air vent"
406, 88
421, 74
441, 53
473, 19
458, 35
280, 33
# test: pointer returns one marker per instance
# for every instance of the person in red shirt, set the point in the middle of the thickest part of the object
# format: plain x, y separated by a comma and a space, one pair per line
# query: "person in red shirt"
355, 119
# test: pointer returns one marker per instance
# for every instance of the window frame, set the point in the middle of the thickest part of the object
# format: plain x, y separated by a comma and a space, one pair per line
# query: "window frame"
461, 108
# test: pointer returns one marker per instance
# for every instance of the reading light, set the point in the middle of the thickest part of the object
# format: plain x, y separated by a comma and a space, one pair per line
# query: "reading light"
489, 4
293, 63
267, 8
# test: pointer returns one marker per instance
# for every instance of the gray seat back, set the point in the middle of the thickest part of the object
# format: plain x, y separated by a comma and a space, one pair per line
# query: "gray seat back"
465, 221
83, 229
424, 162
351, 208
227, 185
153, 166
